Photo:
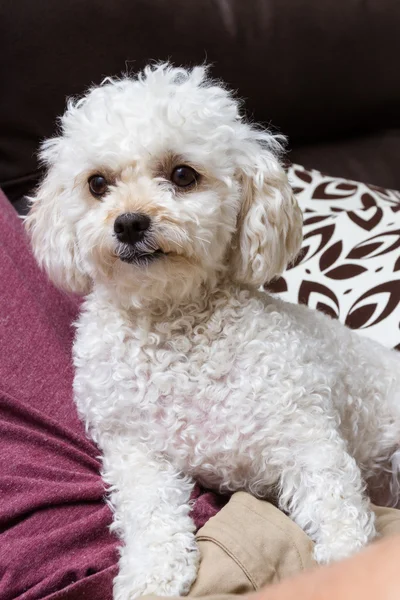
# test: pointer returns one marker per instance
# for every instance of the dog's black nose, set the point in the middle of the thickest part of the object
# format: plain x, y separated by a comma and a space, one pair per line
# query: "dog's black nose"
130, 227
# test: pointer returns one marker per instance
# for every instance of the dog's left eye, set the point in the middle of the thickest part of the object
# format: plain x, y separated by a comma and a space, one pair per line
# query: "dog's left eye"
97, 185
184, 176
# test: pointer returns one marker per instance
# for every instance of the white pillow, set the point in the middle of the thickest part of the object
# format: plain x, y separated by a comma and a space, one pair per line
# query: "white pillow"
349, 265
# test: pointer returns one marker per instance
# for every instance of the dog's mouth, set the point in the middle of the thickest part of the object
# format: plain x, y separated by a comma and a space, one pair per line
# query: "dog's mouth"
132, 256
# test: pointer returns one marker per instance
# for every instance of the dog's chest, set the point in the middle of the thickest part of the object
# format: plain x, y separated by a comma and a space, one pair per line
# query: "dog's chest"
188, 374
185, 378
191, 387
201, 391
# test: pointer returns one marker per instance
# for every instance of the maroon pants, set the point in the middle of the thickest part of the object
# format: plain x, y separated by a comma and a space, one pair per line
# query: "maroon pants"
54, 537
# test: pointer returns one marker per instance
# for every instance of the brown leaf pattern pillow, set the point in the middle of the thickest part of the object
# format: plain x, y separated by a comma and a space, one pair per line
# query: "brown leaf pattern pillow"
349, 265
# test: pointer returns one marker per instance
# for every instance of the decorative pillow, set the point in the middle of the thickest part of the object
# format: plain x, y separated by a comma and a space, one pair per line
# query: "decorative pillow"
349, 265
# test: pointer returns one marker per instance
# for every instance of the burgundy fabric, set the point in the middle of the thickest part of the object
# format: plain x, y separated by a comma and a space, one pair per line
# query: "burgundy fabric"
54, 537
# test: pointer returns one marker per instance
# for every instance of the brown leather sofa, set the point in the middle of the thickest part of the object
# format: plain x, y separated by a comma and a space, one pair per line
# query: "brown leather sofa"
324, 72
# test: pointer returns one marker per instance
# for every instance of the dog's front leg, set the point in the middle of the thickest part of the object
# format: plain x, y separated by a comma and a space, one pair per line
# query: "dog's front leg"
323, 491
151, 515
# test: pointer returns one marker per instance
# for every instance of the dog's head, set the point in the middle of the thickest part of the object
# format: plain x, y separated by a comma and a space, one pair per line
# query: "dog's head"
157, 185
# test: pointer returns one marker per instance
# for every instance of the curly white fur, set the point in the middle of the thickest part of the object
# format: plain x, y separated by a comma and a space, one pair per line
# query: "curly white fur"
184, 371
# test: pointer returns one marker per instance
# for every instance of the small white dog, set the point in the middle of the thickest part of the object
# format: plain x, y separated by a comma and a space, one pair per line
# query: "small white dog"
168, 211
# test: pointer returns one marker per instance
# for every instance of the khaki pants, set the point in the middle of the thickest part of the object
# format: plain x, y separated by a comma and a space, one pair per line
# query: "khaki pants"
250, 544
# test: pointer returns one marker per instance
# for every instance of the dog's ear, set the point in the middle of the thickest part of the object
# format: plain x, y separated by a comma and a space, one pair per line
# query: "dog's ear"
52, 234
269, 228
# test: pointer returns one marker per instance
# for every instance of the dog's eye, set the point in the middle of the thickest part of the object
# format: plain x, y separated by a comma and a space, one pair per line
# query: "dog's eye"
183, 176
98, 185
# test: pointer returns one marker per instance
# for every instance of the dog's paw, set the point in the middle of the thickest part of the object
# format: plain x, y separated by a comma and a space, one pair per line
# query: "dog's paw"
173, 577
345, 538
337, 550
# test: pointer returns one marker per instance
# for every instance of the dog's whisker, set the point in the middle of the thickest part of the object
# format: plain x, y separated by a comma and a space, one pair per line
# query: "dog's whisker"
202, 240
178, 244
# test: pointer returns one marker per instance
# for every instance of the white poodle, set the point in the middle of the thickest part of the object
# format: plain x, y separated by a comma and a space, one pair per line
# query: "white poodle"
168, 211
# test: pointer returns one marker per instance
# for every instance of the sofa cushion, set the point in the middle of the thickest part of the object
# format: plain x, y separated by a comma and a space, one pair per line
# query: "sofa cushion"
372, 157
349, 266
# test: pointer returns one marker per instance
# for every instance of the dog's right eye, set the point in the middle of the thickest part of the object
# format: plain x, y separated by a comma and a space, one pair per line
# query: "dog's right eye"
98, 185
184, 176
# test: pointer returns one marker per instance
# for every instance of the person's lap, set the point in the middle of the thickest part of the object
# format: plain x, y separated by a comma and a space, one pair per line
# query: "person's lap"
54, 521
55, 541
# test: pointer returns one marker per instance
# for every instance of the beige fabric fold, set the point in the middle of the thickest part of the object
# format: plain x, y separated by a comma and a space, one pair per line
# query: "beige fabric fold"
250, 544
